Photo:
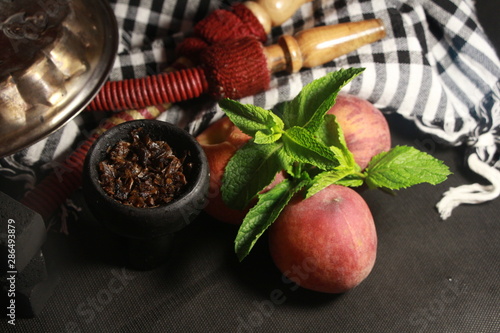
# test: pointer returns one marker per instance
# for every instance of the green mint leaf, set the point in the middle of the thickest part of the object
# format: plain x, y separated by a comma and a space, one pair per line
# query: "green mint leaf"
404, 166
316, 98
251, 169
263, 214
265, 138
288, 164
302, 146
327, 178
332, 135
251, 119
351, 181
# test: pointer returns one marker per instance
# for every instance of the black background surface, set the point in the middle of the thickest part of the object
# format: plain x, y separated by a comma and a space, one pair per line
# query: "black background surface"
430, 275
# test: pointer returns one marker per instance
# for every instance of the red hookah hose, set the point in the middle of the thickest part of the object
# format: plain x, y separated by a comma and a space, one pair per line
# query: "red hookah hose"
232, 69
54, 189
158, 89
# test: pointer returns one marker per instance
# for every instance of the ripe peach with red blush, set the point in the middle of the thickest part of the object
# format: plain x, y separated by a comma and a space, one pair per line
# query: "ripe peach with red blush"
365, 128
326, 243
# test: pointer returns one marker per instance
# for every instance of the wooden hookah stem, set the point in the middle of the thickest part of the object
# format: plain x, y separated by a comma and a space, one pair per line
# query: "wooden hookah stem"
272, 13
317, 46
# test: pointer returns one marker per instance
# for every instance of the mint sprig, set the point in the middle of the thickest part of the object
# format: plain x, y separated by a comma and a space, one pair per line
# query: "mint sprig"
313, 102
403, 167
263, 125
309, 146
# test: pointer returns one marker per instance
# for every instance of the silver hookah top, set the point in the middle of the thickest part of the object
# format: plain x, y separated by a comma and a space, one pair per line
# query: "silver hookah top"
55, 55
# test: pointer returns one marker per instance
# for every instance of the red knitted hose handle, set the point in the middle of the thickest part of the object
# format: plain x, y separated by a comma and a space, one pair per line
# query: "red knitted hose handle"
221, 25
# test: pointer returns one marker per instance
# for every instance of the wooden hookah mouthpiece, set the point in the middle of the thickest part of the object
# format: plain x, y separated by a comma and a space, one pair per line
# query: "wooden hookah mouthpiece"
239, 68
317, 46
273, 13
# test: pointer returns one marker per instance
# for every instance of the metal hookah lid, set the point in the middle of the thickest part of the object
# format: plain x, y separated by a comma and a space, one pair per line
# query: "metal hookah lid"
55, 56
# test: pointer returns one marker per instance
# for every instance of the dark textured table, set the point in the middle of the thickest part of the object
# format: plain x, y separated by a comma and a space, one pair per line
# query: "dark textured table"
430, 275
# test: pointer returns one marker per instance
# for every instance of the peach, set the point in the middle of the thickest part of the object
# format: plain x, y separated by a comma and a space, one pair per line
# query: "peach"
220, 141
365, 128
326, 243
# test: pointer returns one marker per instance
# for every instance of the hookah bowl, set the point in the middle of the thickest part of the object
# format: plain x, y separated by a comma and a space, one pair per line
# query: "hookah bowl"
148, 232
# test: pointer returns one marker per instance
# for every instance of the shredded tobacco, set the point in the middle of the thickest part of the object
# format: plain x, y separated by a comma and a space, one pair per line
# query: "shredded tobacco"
142, 173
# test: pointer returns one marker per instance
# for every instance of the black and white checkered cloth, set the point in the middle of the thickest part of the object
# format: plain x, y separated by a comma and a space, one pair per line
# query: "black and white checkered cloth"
436, 67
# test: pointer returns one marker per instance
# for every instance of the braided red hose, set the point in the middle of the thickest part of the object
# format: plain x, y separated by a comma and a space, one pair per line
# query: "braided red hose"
54, 189
158, 89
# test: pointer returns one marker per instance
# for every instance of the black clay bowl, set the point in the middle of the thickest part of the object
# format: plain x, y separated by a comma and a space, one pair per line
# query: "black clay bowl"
144, 223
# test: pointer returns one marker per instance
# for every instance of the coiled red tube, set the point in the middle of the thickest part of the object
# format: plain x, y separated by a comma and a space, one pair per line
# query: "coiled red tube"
54, 189
158, 89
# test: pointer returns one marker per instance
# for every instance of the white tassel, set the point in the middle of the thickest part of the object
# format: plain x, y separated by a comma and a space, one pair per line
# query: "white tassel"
481, 162
474, 193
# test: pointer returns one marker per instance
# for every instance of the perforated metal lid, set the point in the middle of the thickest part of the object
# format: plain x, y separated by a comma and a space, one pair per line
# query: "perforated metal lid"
55, 56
